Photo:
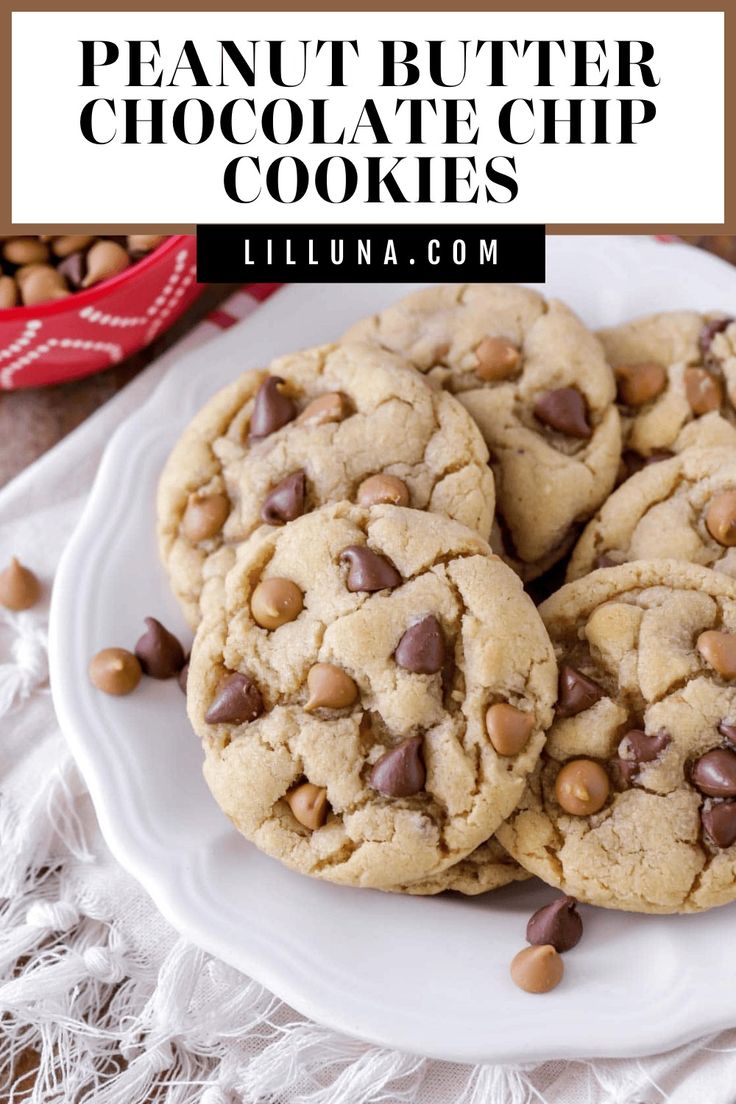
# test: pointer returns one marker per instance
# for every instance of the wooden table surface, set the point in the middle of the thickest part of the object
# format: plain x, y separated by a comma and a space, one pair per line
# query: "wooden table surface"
34, 420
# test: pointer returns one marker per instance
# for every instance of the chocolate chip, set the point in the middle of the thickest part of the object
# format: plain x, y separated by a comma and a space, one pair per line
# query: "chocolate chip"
160, 654
422, 647
576, 692
238, 700
639, 747
286, 501
709, 331
368, 570
183, 677
728, 731
558, 925
73, 268
565, 410
719, 823
714, 773
401, 771
272, 409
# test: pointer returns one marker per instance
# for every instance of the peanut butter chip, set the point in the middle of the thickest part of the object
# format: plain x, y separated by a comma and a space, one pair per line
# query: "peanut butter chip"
144, 243
8, 294
276, 601
719, 650
331, 407
330, 688
582, 787
105, 259
308, 803
508, 728
720, 518
115, 671
704, 391
19, 587
498, 359
67, 244
23, 251
204, 516
41, 284
640, 383
537, 969
383, 488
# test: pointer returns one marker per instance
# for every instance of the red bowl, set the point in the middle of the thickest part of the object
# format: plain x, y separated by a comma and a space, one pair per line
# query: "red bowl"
93, 329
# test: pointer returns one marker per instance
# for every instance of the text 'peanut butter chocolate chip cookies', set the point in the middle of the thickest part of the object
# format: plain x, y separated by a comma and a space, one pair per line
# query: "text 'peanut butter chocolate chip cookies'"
676, 381
342, 685
538, 386
633, 805
683, 508
334, 423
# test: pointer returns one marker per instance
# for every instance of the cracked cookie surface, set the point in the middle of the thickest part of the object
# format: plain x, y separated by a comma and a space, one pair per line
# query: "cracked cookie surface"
514, 359
676, 378
341, 415
631, 806
380, 770
684, 508
488, 867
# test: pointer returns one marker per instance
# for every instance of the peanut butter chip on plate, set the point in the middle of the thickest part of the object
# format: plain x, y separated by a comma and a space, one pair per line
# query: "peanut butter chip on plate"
720, 518
382, 488
19, 587
537, 969
508, 728
115, 671
275, 602
205, 516
582, 787
498, 359
308, 803
719, 650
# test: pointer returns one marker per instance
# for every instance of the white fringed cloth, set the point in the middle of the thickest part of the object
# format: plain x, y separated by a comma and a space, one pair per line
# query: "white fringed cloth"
119, 1008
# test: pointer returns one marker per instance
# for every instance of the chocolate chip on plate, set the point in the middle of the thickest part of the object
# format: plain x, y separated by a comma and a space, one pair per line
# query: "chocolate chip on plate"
286, 501
401, 771
368, 570
576, 692
272, 409
422, 647
558, 924
160, 654
237, 701
564, 409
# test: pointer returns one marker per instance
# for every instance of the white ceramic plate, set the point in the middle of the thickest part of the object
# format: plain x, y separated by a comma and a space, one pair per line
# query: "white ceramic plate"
424, 975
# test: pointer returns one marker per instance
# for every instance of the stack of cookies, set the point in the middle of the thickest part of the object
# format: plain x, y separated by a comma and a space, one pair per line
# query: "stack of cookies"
355, 533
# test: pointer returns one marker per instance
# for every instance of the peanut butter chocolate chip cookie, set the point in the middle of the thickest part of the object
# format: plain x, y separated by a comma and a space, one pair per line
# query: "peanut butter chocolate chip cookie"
341, 680
676, 383
488, 867
633, 804
538, 386
338, 422
683, 508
